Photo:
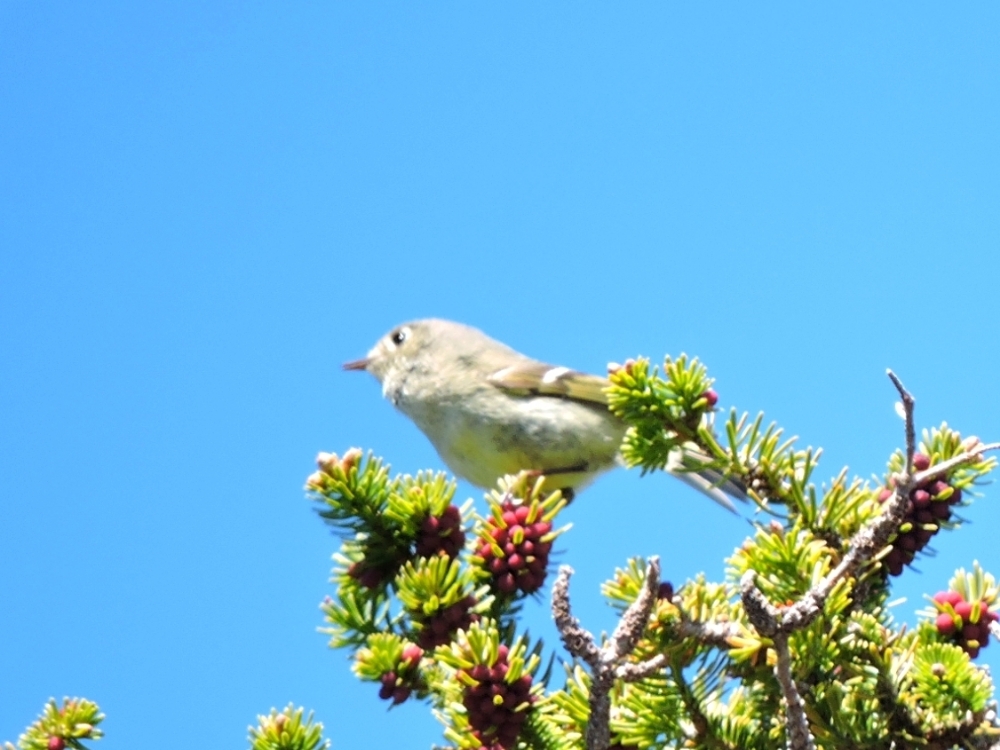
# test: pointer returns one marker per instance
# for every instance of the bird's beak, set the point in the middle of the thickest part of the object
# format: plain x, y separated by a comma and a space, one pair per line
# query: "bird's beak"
358, 364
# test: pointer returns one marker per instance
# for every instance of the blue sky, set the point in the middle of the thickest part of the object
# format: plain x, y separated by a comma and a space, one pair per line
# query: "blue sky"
206, 207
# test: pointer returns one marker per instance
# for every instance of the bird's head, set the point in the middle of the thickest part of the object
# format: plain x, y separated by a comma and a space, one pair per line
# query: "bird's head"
407, 347
391, 351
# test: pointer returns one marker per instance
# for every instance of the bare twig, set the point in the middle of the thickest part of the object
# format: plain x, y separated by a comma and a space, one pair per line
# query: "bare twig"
633, 623
608, 662
577, 640
762, 614
711, 633
911, 430
946, 466
798, 735
630, 672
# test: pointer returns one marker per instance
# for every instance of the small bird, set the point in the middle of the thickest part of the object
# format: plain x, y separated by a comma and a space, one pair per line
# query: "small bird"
491, 411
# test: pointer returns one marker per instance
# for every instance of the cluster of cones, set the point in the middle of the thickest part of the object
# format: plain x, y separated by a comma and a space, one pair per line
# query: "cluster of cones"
397, 684
515, 548
927, 508
965, 623
492, 703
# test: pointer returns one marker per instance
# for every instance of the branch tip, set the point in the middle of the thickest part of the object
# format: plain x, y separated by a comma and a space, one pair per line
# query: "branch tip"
578, 641
911, 430
761, 613
608, 662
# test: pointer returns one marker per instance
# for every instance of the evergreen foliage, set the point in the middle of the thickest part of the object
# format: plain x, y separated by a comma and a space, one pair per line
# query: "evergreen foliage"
794, 648
287, 730
862, 679
62, 726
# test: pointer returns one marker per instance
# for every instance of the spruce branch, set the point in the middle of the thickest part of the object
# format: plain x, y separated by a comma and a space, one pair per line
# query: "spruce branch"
778, 623
798, 734
972, 452
970, 455
428, 592
863, 546
606, 660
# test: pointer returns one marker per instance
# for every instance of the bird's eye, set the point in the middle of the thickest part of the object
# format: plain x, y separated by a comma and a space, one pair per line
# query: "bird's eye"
398, 337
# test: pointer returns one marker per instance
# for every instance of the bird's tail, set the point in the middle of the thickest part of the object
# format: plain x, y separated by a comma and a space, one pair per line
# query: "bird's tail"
719, 487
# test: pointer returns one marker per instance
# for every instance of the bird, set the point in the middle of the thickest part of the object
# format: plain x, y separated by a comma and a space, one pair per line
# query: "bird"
490, 411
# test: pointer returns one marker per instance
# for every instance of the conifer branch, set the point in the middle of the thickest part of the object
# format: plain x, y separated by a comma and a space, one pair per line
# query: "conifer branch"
630, 672
869, 540
699, 722
633, 623
762, 614
429, 593
911, 430
577, 639
944, 467
798, 735
710, 632
607, 661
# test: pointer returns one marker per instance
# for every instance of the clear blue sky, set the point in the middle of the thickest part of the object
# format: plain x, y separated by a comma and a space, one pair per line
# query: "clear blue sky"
206, 207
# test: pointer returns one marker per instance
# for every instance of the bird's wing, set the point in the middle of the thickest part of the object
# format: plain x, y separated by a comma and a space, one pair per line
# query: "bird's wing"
540, 379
